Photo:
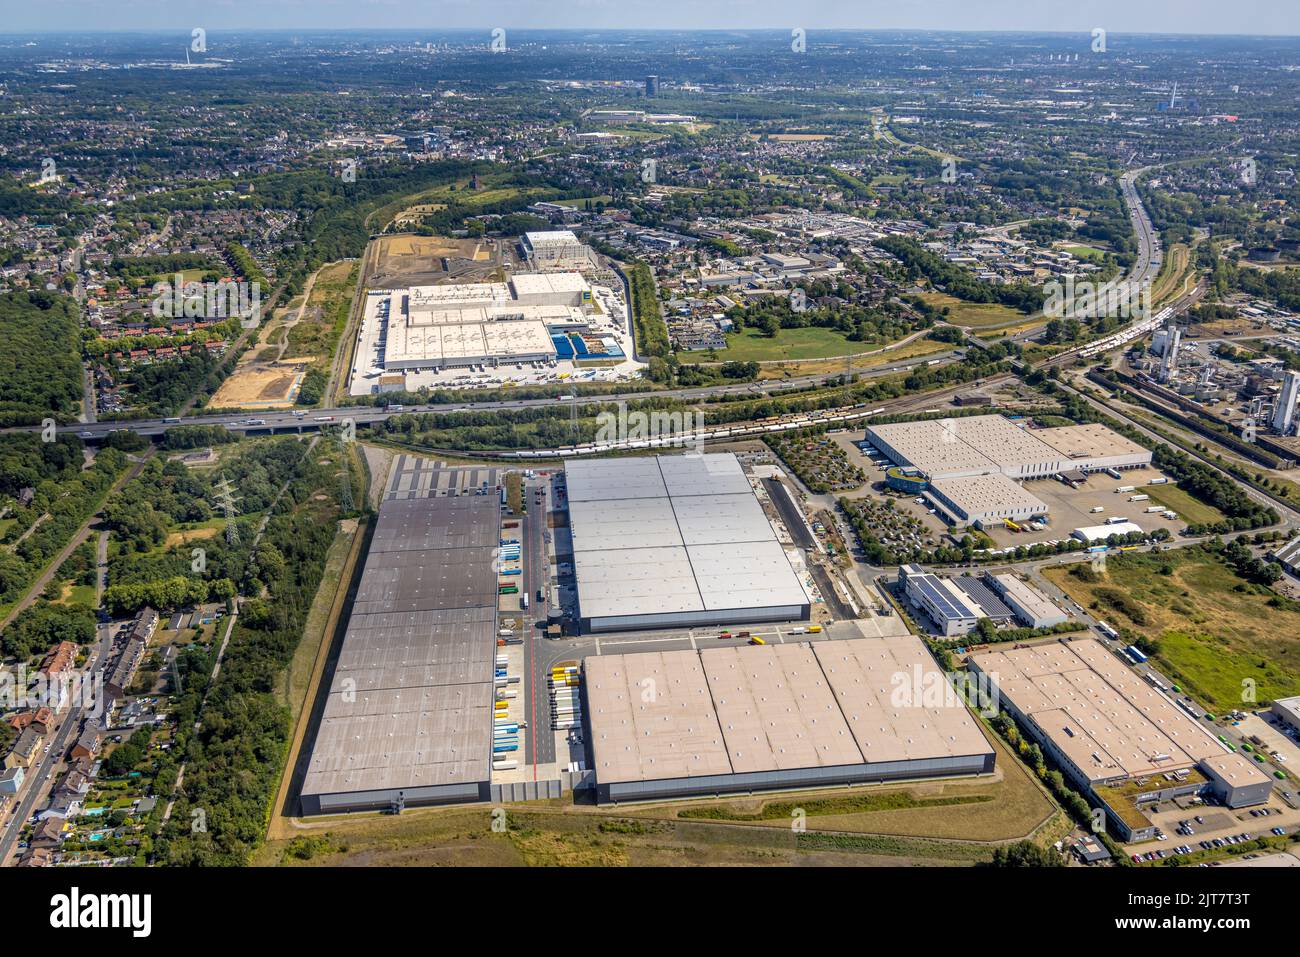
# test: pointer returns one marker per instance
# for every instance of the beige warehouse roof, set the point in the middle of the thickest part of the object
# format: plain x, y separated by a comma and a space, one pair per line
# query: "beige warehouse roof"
1106, 719
776, 710
881, 687
979, 494
652, 717
1091, 440
737, 710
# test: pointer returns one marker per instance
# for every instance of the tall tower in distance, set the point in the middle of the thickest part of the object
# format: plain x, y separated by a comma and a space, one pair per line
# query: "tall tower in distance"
1284, 413
652, 85
1169, 363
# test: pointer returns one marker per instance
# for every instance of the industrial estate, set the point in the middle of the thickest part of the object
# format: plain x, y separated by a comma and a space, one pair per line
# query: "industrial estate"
651, 449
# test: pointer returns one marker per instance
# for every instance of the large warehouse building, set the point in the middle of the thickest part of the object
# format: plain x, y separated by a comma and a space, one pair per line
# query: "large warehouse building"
984, 499
673, 541
488, 323
1116, 736
554, 248
993, 444
748, 718
409, 712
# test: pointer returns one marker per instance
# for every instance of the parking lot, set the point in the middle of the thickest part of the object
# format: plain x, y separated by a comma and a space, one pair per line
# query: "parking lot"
1070, 508
1214, 826
1273, 737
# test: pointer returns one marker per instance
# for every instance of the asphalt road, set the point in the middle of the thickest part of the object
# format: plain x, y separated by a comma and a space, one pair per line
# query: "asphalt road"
539, 743
267, 422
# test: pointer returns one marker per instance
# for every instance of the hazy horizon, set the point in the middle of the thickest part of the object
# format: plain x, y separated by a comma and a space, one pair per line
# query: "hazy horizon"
1272, 18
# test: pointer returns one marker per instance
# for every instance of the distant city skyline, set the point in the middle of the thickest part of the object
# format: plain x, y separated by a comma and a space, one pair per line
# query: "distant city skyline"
1249, 17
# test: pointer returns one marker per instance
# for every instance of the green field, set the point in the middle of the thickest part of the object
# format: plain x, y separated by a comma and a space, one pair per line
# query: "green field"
82, 595
752, 345
1189, 509
1216, 633
975, 315
1091, 253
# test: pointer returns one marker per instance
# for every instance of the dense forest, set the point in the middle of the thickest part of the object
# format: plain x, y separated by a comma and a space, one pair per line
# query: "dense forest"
235, 757
60, 503
40, 357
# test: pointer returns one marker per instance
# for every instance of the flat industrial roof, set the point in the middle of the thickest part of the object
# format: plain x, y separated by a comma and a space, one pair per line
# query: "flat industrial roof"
450, 295
672, 534
977, 494
989, 601
931, 447
543, 237
652, 717
1235, 770
410, 700
548, 283
1108, 721
1003, 441
459, 341
947, 598
1291, 706
1090, 440
994, 443
511, 312
1033, 601
737, 710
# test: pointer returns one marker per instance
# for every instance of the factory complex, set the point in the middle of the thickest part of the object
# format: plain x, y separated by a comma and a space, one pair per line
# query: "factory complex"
468, 324
681, 723
971, 467
675, 541
1119, 738
956, 605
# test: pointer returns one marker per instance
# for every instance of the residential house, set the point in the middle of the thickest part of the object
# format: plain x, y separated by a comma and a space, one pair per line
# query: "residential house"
37, 857
87, 745
49, 833
42, 719
26, 749
62, 657
146, 623
11, 780
124, 670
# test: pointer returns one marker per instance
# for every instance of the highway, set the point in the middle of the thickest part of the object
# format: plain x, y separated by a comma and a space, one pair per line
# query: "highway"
1144, 270
311, 420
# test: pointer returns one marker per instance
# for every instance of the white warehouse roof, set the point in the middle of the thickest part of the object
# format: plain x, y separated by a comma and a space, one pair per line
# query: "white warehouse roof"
1099, 533
675, 535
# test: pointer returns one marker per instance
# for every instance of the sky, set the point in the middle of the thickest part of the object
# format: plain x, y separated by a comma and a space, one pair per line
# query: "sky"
1278, 17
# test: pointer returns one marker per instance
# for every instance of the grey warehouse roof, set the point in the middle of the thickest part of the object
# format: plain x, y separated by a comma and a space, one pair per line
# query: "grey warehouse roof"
410, 703
666, 534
